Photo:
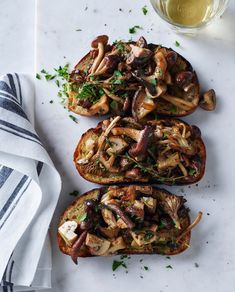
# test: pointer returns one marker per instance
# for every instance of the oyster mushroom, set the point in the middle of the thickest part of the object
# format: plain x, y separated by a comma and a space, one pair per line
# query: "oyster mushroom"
101, 107
138, 56
108, 164
97, 245
171, 161
144, 139
117, 145
108, 64
142, 105
98, 43
208, 101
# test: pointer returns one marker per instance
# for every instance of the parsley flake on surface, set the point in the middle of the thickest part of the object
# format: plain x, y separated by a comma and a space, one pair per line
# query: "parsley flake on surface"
117, 264
38, 76
145, 10
177, 44
74, 193
51, 101
73, 118
146, 268
169, 267
196, 265
134, 29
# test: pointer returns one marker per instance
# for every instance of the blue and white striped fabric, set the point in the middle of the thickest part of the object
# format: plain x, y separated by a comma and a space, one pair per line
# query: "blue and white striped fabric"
29, 190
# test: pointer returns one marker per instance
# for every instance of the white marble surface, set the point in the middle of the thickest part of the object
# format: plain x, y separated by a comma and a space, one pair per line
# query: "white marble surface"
212, 53
17, 32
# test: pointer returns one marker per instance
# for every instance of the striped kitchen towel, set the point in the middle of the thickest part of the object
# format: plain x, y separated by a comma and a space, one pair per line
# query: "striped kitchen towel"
29, 190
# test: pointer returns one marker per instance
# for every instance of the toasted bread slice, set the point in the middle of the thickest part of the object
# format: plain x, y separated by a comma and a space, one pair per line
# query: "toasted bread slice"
120, 150
133, 78
126, 220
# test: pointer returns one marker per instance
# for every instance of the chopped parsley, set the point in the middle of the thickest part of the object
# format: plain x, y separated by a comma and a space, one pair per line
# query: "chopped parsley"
168, 257
90, 92
177, 44
74, 193
144, 9
57, 82
134, 29
117, 264
83, 217
169, 267
62, 72
173, 109
146, 268
73, 118
196, 265
153, 81
79, 29
114, 105
38, 76
148, 235
192, 171
51, 101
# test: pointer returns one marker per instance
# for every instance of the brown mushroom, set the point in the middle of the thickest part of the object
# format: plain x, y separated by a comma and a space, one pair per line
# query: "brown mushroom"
108, 64
171, 58
117, 145
101, 107
98, 43
183, 80
142, 105
141, 146
77, 245
138, 56
161, 65
121, 214
108, 164
208, 101
142, 43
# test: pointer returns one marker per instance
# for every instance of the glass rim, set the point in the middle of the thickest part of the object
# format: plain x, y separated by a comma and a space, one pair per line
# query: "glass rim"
189, 27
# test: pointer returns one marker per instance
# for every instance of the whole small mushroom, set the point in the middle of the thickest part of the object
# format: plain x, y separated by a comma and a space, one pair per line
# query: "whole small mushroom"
99, 43
208, 101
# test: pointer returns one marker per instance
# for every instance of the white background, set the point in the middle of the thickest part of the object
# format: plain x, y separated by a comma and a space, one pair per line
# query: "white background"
212, 53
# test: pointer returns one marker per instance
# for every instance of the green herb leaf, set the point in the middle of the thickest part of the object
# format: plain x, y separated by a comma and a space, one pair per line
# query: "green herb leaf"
148, 235
38, 76
146, 268
82, 217
51, 101
114, 105
153, 81
43, 71
79, 29
57, 82
49, 77
145, 10
192, 171
117, 264
169, 267
134, 29
74, 193
196, 265
73, 119
177, 44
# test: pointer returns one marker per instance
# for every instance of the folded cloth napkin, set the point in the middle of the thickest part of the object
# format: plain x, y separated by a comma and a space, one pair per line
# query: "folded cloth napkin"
29, 190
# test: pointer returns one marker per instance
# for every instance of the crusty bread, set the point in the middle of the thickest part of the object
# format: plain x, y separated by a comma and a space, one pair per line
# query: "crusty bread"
96, 174
163, 107
77, 209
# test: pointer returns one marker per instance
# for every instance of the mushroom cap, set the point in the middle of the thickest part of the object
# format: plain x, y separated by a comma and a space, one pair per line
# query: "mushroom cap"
99, 39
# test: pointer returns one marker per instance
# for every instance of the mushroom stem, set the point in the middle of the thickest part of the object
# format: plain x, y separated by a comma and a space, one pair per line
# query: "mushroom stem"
179, 102
77, 245
132, 133
141, 146
98, 58
120, 213
191, 226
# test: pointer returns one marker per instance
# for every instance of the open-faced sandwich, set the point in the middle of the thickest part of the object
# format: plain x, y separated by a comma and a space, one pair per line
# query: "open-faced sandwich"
132, 78
122, 150
125, 220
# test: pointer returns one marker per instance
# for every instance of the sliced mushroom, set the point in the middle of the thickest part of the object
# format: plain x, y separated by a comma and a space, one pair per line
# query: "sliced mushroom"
142, 105
150, 204
124, 217
138, 56
161, 65
97, 245
101, 107
108, 64
121, 224
171, 161
142, 43
143, 237
77, 246
136, 210
183, 79
160, 89
108, 217
109, 231
208, 101
89, 150
98, 43
178, 102
117, 145
117, 244
113, 96
142, 144
108, 164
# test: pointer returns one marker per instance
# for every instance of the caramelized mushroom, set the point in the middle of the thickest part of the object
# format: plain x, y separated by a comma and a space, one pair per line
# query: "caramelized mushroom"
143, 142
208, 101
184, 79
77, 245
138, 56
98, 43
122, 215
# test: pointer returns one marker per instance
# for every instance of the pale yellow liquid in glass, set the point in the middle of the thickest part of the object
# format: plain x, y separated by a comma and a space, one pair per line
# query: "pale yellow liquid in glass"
188, 12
